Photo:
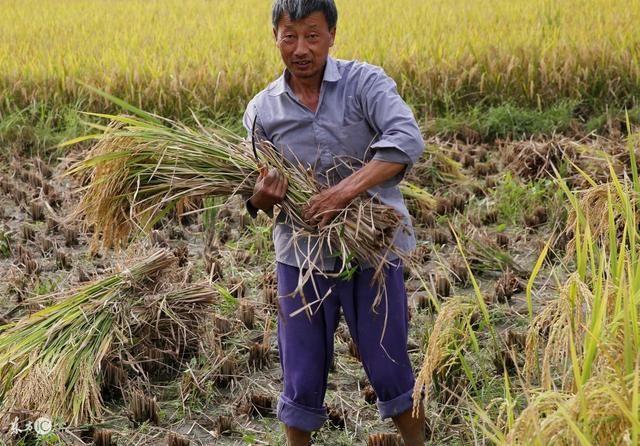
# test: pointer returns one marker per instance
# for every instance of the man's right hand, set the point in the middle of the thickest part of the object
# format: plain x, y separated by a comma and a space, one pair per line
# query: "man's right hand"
270, 189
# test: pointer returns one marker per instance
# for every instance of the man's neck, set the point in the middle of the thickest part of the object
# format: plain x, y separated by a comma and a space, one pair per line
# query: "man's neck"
305, 87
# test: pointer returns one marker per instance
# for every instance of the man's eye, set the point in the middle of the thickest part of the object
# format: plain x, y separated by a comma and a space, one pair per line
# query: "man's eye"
313, 37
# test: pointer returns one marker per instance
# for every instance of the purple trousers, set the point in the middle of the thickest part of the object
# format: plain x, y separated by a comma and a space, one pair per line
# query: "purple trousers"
306, 343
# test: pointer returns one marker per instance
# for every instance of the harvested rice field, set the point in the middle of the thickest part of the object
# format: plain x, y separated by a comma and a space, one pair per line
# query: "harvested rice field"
475, 305
138, 299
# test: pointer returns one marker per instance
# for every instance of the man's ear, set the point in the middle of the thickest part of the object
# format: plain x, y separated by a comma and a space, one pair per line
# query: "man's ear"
275, 35
333, 36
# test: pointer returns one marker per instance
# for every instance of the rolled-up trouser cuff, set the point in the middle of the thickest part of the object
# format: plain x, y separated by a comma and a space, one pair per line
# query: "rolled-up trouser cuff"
396, 406
305, 418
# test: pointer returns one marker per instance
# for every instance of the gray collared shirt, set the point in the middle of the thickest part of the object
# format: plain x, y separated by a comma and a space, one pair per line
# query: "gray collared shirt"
360, 117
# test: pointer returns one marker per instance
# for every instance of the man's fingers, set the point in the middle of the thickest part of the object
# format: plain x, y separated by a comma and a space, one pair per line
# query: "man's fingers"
309, 216
269, 179
280, 189
272, 177
284, 184
310, 210
327, 216
263, 172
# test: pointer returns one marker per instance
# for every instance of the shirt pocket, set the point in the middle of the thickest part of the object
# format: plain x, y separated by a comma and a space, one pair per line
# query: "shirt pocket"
350, 151
355, 139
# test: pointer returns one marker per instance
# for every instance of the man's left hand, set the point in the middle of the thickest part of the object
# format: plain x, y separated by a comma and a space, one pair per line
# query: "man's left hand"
324, 206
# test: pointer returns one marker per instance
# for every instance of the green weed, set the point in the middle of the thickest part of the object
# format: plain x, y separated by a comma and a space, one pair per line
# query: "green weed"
514, 199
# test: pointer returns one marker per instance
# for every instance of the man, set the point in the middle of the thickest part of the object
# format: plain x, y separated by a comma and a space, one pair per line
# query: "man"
329, 114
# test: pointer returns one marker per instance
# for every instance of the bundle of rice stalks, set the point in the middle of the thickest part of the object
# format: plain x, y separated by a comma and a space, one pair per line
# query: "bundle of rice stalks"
450, 333
502, 240
594, 206
442, 286
259, 355
224, 424
257, 404
535, 159
459, 271
484, 255
173, 439
54, 361
143, 166
418, 194
384, 440
506, 286
142, 408
338, 416
103, 437
437, 168
419, 202
559, 418
369, 395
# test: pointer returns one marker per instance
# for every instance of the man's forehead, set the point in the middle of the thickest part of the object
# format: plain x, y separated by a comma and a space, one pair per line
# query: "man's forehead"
294, 24
314, 20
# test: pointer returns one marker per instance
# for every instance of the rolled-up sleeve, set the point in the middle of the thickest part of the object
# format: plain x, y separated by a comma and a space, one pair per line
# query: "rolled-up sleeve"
399, 137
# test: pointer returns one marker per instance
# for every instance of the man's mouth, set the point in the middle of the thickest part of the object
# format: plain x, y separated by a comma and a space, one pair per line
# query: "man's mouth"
302, 63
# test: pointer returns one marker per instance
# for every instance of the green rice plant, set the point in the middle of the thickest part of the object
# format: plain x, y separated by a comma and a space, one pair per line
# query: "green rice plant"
582, 370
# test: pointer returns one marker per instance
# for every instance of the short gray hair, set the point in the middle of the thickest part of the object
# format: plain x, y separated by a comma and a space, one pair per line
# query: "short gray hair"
299, 9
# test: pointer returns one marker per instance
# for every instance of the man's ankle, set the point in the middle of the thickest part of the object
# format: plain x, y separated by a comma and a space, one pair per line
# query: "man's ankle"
297, 437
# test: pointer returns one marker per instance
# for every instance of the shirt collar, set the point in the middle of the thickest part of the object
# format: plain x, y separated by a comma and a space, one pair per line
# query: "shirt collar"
331, 74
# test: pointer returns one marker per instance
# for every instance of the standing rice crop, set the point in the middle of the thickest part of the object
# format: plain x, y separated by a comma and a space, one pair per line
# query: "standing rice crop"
582, 367
532, 52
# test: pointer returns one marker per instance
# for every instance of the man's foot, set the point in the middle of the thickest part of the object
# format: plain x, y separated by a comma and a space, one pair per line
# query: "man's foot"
411, 428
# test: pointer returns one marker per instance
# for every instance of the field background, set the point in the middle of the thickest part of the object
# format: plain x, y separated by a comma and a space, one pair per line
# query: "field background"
540, 347
170, 56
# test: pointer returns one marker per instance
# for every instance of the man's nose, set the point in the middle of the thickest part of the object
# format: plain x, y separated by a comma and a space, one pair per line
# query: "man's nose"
301, 47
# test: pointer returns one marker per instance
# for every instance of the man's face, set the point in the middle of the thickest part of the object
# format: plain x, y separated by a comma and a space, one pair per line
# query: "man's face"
304, 44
